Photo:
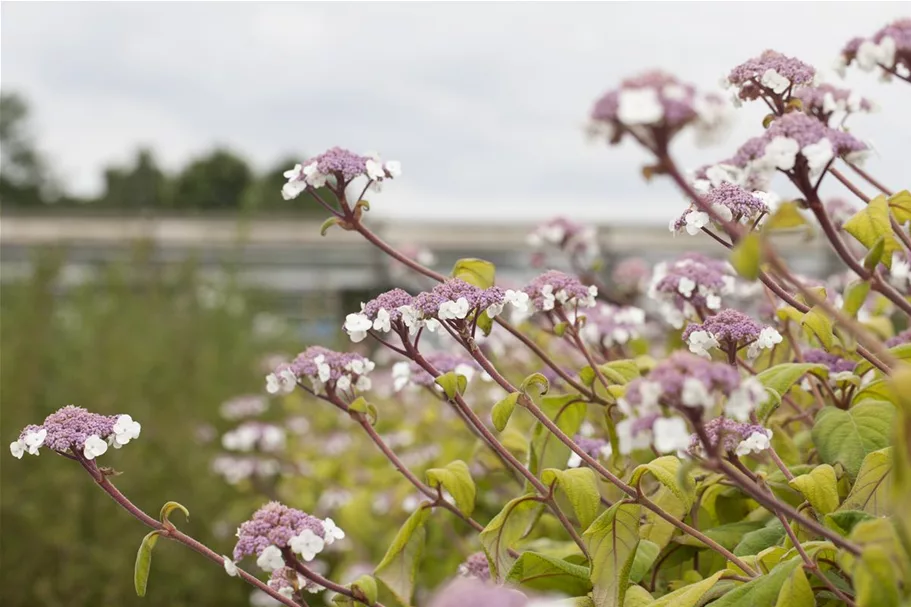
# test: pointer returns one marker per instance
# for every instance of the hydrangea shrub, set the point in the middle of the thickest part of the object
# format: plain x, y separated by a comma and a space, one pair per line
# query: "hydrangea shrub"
711, 430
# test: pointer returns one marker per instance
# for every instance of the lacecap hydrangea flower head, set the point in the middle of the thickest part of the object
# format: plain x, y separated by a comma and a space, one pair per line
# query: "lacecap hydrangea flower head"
729, 331
656, 106
579, 242
336, 168
326, 371
275, 530
683, 387
888, 49
771, 76
554, 291
77, 431
729, 201
690, 286
824, 100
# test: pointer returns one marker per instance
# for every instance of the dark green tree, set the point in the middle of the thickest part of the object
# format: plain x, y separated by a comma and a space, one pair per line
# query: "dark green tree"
23, 178
142, 186
216, 181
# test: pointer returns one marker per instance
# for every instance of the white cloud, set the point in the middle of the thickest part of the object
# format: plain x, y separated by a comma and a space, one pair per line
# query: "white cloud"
484, 104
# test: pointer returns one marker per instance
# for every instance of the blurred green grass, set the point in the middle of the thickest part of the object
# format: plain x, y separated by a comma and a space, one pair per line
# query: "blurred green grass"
137, 339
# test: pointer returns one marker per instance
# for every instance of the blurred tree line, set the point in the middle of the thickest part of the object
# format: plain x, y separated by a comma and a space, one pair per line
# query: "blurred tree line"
218, 180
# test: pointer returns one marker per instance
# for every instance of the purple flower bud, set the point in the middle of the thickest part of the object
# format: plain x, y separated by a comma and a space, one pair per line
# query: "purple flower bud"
730, 328
341, 163
390, 301
835, 363
731, 202
476, 566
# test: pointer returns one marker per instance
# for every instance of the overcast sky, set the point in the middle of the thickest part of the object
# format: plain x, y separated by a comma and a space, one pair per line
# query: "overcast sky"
484, 104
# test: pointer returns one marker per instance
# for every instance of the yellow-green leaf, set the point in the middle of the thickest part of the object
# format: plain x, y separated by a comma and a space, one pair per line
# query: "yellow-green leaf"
870, 224
785, 217
170, 507
399, 566
819, 487
452, 384
871, 491
456, 479
818, 324
847, 437
502, 411
328, 224
581, 487
875, 583
612, 540
535, 381
477, 272
796, 591
855, 295
144, 563
504, 530
546, 573
745, 257
688, 596
900, 205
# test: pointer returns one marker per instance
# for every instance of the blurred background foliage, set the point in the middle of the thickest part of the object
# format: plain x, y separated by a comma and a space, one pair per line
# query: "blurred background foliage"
168, 345
217, 180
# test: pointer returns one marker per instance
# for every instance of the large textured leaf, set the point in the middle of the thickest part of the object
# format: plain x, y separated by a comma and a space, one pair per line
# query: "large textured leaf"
745, 257
688, 596
762, 591
900, 206
870, 224
871, 491
874, 579
675, 496
820, 487
646, 553
456, 479
796, 591
477, 272
546, 573
504, 530
581, 487
612, 540
758, 540
846, 437
399, 566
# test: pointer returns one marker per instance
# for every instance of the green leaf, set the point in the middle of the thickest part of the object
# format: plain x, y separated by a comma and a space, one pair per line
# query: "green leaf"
646, 553
502, 411
819, 487
796, 591
843, 521
745, 257
364, 587
758, 540
144, 563
537, 382
688, 596
636, 596
855, 295
567, 411
361, 405
781, 377
872, 489
785, 217
612, 541
581, 487
477, 272
847, 437
399, 566
818, 324
328, 224
875, 254
874, 579
900, 205
731, 534
870, 224
546, 573
504, 530
170, 507
485, 323
761, 591
620, 371
675, 496
665, 469
901, 352
452, 384
456, 479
